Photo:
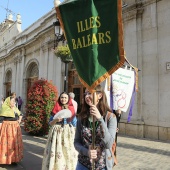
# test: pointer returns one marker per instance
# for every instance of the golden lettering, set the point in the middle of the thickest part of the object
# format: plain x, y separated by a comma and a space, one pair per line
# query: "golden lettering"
94, 39
79, 45
101, 38
108, 36
78, 27
81, 25
91, 19
86, 25
74, 44
88, 40
98, 24
84, 42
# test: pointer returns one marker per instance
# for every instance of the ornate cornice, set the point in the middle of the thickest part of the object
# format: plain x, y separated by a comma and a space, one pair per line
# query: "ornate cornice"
44, 47
129, 15
148, 2
48, 45
135, 10
17, 59
2, 63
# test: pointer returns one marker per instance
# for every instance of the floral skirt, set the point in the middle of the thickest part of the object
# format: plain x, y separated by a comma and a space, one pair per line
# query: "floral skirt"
11, 145
60, 153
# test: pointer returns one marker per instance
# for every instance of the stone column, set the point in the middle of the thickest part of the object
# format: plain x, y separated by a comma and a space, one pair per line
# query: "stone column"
21, 68
139, 59
24, 94
14, 76
17, 76
43, 67
130, 41
51, 63
2, 67
150, 73
3, 77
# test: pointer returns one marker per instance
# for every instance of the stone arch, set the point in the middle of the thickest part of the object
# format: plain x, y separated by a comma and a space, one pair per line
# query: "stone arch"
32, 73
8, 76
8, 82
31, 69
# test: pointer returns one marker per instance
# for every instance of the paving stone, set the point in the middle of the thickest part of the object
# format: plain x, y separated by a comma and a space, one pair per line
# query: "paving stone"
132, 153
142, 154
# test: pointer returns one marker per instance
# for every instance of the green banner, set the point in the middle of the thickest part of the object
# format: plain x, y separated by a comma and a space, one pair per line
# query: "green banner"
93, 29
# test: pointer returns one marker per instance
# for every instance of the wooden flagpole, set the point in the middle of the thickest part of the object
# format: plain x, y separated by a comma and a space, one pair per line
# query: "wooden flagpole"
93, 131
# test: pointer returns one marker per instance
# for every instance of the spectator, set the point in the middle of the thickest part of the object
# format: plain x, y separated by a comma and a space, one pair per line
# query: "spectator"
72, 95
75, 105
13, 94
19, 103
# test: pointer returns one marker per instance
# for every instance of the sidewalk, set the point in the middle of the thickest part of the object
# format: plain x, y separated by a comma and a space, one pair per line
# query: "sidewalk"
132, 153
142, 154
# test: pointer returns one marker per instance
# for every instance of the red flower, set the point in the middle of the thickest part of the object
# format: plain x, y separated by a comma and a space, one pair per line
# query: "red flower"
41, 99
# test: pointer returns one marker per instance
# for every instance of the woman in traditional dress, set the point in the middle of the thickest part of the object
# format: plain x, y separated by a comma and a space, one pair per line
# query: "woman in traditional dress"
59, 151
11, 145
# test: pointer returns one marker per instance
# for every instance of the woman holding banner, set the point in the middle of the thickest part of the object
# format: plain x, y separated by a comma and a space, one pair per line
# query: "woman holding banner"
104, 133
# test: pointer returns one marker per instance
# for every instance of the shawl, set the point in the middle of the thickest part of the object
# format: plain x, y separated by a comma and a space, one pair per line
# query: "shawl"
58, 107
6, 110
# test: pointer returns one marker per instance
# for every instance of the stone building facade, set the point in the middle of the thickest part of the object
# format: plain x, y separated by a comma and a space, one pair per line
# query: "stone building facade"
28, 55
147, 46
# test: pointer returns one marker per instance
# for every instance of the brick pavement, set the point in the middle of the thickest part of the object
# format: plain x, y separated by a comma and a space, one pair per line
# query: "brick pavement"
132, 153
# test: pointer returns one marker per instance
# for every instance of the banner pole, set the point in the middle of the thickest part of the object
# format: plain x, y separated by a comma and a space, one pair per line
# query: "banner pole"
93, 131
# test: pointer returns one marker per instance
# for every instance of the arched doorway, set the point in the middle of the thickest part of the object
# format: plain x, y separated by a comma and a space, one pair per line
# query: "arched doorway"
32, 74
8, 82
75, 86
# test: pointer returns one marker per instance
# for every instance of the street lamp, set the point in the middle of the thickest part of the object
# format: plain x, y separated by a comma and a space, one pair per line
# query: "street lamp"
58, 32
59, 36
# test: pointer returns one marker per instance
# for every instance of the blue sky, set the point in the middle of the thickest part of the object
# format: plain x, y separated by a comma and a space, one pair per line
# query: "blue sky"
30, 10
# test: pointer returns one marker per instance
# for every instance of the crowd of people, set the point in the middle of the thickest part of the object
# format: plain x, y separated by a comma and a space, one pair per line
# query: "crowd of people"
70, 139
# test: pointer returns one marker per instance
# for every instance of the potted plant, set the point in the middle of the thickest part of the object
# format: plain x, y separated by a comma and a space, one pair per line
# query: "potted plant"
63, 52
